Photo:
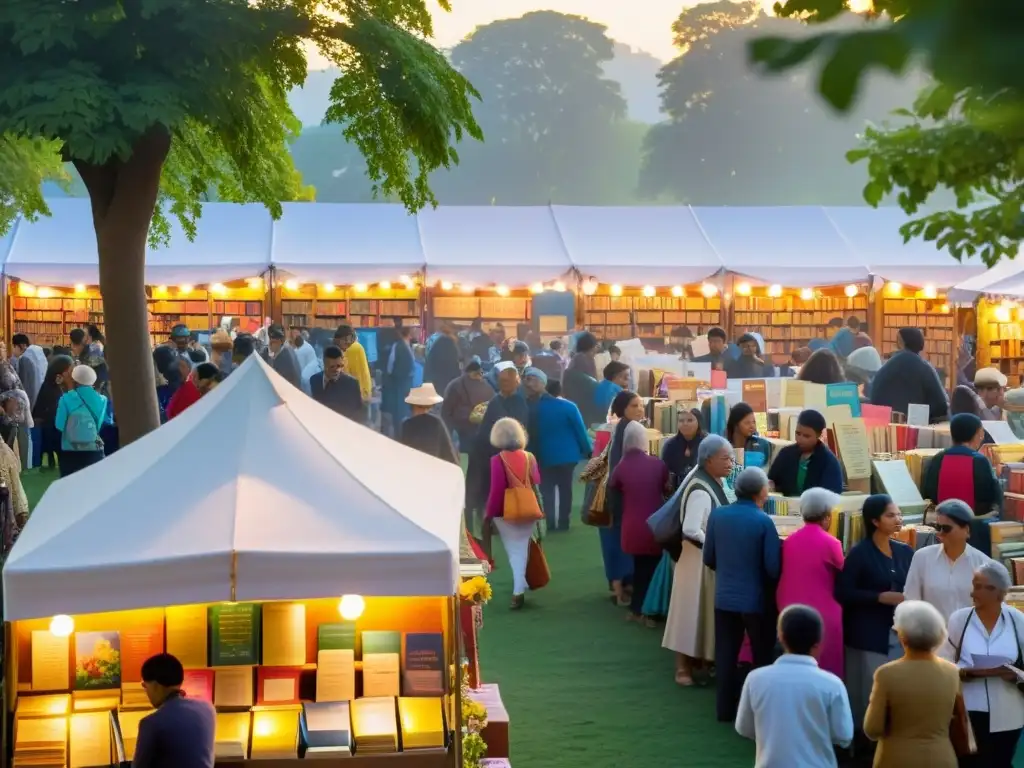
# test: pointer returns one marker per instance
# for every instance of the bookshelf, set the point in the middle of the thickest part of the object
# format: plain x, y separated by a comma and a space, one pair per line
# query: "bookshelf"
314, 306
461, 310
932, 316
49, 318
613, 318
790, 321
999, 340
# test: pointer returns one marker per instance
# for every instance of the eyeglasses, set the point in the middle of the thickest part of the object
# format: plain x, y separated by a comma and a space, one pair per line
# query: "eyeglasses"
945, 528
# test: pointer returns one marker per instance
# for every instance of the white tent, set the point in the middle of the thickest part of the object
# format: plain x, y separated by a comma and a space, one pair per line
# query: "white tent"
257, 492
1004, 279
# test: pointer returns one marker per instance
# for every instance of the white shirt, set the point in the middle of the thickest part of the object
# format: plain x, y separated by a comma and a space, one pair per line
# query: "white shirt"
999, 698
305, 354
944, 583
795, 712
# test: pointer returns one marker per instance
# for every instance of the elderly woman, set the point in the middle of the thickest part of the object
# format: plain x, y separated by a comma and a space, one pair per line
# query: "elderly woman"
992, 629
812, 559
943, 574
641, 479
742, 547
510, 466
870, 587
689, 629
913, 698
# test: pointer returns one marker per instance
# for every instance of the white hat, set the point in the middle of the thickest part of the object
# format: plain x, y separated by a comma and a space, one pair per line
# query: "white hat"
988, 376
865, 359
425, 396
84, 375
504, 365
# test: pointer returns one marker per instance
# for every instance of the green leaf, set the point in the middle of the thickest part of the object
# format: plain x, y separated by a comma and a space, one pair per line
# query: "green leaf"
853, 57
873, 193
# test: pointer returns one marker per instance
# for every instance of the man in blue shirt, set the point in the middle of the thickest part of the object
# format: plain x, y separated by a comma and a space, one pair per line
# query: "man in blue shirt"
793, 710
181, 731
742, 546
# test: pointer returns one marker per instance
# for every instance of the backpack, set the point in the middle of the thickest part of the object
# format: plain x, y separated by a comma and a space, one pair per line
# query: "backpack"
82, 429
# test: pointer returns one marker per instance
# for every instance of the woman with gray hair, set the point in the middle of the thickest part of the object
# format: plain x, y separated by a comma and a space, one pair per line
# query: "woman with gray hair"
992, 630
689, 628
512, 467
914, 698
812, 560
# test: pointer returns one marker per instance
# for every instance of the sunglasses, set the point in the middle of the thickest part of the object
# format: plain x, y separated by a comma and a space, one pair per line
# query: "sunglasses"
946, 528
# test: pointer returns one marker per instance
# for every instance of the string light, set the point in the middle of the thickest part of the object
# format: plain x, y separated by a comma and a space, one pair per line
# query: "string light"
649, 291
185, 290
351, 607
775, 291
328, 287
360, 287
677, 291
1002, 314
743, 289
62, 625
590, 287
292, 285
385, 285
467, 288
616, 290
930, 292
893, 289
44, 293
945, 310
218, 289
26, 289
502, 290
446, 285
559, 286
537, 288
160, 290
255, 283
806, 294
79, 288
408, 284
850, 290
708, 290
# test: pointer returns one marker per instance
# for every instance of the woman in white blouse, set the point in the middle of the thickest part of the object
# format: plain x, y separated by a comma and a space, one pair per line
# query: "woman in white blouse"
942, 573
994, 630
690, 625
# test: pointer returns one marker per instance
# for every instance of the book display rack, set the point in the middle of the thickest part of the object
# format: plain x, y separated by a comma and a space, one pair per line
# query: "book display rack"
650, 313
328, 306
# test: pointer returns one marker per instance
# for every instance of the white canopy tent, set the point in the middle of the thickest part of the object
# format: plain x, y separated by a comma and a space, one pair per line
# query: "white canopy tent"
347, 243
662, 245
487, 245
232, 242
874, 235
1004, 279
257, 492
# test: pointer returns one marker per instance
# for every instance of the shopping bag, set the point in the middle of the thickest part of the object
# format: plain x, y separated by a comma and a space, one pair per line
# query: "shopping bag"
537, 572
521, 502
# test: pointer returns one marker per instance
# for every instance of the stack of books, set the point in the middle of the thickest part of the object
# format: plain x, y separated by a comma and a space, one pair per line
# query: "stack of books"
90, 739
52, 705
422, 723
41, 742
232, 736
374, 726
128, 724
275, 733
326, 729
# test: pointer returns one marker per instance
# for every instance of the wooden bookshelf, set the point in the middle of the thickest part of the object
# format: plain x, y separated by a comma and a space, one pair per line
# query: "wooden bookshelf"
932, 316
461, 310
787, 322
49, 319
633, 315
313, 306
1000, 343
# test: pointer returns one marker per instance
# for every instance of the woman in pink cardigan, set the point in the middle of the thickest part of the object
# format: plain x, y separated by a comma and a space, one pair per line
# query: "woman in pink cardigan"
509, 438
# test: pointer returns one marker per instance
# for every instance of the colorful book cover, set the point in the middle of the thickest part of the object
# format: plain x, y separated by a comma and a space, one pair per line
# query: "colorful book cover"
277, 685
234, 634
198, 684
339, 636
423, 664
326, 726
381, 641
97, 660
139, 643
844, 393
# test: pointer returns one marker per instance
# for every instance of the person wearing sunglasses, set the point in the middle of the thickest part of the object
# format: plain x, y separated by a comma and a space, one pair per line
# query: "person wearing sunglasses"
943, 574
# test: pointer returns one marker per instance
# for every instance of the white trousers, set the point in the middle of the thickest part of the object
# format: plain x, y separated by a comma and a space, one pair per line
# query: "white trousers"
515, 537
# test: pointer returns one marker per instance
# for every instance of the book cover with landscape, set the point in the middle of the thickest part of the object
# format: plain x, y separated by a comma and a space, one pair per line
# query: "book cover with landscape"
97, 660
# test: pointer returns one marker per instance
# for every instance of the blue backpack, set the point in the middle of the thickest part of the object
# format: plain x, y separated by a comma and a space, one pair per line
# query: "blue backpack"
82, 429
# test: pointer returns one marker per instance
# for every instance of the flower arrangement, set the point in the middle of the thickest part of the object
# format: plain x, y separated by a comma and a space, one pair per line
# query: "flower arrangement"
474, 720
475, 590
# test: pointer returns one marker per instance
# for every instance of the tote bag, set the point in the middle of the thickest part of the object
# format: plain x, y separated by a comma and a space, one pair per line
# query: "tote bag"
537, 572
521, 503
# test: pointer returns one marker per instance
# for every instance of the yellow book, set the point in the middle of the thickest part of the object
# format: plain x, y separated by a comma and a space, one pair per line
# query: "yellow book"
41, 741
374, 725
381, 674
43, 706
335, 675
284, 634
422, 723
232, 736
51, 661
98, 704
186, 629
128, 721
275, 734
90, 739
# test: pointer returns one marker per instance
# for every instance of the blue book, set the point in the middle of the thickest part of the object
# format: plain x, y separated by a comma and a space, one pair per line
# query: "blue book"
844, 393
423, 664
326, 728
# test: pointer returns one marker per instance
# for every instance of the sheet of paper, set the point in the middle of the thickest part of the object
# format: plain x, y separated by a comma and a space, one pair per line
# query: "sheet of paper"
279, 689
90, 739
984, 661
700, 346
876, 415
380, 674
897, 482
854, 448
335, 676
186, 634
51, 667
1000, 432
232, 687
840, 412
918, 415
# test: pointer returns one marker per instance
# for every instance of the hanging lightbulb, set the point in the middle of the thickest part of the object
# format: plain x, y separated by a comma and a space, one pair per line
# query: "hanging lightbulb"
385, 285
79, 288
255, 283
708, 290
404, 279
649, 291
616, 290
408, 284
360, 287
446, 285
850, 290
775, 291
218, 289
184, 290
559, 286
44, 293
945, 310
590, 287
537, 288
62, 625
743, 289
328, 287
351, 607
502, 290
465, 288
1002, 314
806, 294
930, 292
677, 291
893, 289
292, 285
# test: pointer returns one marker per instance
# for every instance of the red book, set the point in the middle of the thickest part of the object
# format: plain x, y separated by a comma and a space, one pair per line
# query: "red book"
277, 685
198, 684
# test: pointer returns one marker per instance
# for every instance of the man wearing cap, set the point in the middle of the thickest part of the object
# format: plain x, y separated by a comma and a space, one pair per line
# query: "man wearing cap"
990, 384
180, 337
281, 356
960, 472
558, 439
462, 397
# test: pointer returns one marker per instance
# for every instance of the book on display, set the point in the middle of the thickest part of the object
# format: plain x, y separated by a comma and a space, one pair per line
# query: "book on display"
374, 725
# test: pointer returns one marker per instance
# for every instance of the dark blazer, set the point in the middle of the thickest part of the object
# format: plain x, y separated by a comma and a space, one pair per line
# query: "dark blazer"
341, 396
907, 378
866, 574
286, 364
428, 434
742, 547
442, 364
178, 734
823, 471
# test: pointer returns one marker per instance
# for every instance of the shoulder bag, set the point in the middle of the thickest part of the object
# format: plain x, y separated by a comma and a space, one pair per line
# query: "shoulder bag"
593, 510
521, 502
538, 574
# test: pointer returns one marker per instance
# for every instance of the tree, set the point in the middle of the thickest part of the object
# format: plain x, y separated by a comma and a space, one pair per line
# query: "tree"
736, 138
548, 112
158, 102
25, 165
966, 132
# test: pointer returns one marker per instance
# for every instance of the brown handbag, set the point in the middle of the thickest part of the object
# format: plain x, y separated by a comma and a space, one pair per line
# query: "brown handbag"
521, 503
537, 572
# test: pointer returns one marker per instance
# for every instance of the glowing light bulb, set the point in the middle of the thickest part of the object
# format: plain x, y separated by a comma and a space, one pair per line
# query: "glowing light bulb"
590, 287
26, 289
255, 283
184, 290
360, 287
677, 291
775, 291
616, 290
446, 285
537, 288
502, 290
79, 288
894, 289
1002, 314
351, 607
44, 293
291, 285
945, 310
219, 289
708, 290
930, 292
408, 284
385, 285
328, 287
467, 288
62, 625
743, 289
649, 291
404, 279
850, 290
806, 294
559, 286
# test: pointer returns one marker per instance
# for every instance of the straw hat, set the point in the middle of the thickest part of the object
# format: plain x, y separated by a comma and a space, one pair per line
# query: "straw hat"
221, 338
425, 396
84, 375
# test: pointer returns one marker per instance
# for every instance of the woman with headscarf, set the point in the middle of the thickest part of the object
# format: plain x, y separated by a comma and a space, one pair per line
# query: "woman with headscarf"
679, 452
870, 587
56, 381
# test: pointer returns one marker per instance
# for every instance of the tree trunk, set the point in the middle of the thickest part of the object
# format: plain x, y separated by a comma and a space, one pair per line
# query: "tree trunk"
123, 194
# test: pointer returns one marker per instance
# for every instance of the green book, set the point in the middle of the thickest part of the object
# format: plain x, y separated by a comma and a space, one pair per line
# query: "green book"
381, 641
339, 636
234, 634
